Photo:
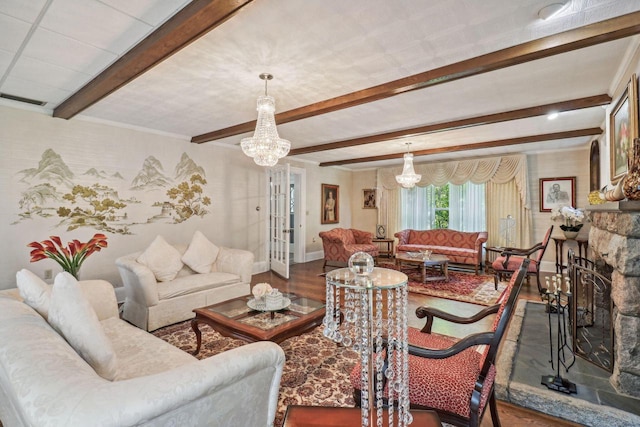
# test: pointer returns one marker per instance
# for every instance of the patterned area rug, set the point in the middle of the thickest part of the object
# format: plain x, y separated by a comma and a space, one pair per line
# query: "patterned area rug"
316, 371
471, 288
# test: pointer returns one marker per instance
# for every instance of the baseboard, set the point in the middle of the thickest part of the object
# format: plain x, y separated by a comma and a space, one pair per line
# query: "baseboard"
313, 256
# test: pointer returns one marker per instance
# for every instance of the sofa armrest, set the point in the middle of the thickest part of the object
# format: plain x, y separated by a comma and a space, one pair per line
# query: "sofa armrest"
235, 261
139, 281
403, 237
329, 237
362, 237
482, 238
236, 387
102, 297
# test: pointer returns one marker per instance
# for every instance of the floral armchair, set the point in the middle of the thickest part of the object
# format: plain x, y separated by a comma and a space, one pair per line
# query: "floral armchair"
340, 243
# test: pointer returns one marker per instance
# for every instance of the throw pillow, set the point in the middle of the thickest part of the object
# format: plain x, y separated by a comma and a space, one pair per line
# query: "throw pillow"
201, 254
162, 259
35, 292
72, 315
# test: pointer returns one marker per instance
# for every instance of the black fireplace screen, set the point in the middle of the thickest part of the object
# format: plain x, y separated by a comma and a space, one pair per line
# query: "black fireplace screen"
591, 311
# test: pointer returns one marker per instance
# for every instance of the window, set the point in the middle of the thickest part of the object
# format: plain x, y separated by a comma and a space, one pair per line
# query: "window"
459, 207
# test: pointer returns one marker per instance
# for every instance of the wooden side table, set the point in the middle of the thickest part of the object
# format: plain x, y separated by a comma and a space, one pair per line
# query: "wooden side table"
559, 241
388, 252
326, 416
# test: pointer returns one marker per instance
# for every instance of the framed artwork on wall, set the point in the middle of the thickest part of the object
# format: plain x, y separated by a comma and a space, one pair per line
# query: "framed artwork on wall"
330, 204
623, 128
369, 198
557, 192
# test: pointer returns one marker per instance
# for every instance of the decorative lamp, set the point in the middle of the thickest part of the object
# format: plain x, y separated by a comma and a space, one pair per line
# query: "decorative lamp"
364, 307
409, 177
265, 146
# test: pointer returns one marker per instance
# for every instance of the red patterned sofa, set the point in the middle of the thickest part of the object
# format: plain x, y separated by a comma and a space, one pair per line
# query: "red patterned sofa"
340, 243
462, 247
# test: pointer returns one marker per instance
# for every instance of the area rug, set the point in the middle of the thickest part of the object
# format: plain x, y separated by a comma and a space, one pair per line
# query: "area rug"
465, 287
316, 371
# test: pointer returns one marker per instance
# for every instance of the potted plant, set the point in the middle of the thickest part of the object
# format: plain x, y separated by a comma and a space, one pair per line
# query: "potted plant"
571, 219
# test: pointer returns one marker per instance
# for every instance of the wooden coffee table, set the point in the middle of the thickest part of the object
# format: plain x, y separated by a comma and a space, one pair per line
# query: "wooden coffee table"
435, 261
234, 318
325, 416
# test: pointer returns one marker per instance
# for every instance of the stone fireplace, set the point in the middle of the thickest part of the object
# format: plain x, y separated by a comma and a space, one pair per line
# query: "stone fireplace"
614, 239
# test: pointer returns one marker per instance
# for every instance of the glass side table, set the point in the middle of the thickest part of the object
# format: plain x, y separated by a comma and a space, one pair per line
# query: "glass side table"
366, 309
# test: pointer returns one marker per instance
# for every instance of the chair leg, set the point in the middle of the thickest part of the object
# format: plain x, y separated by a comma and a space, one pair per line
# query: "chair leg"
493, 407
324, 265
495, 281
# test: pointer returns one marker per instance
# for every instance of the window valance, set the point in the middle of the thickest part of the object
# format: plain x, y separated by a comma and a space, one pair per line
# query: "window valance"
498, 170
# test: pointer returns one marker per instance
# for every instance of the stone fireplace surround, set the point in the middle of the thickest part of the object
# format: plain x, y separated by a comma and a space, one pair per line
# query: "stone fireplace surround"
614, 238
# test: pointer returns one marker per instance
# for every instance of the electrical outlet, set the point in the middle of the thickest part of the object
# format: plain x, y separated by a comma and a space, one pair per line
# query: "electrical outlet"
48, 274
313, 240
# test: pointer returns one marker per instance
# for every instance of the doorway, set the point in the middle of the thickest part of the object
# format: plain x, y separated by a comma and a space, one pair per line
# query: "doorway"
297, 215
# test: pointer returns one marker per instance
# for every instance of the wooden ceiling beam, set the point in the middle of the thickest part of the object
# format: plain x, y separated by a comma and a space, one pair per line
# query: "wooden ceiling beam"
524, 113
578, 38
475, 146
189, 24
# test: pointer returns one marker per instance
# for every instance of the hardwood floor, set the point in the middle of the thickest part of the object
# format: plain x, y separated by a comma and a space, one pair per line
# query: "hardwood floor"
305, 280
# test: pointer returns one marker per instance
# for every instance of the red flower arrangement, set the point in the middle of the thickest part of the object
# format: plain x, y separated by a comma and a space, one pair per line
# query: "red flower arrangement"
71, 257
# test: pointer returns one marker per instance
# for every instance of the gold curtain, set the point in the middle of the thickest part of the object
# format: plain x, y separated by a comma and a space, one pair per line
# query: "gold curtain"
506, 191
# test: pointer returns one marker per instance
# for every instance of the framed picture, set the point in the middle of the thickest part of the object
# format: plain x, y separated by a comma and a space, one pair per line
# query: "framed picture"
330, 204
556, 192
369, 198
623, 128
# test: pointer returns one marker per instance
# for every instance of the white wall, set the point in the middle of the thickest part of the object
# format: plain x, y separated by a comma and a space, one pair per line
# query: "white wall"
235, 185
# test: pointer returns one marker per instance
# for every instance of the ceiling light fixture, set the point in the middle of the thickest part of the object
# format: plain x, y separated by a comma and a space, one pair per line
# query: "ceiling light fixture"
552, 10
265, 146
552, 115
409, 178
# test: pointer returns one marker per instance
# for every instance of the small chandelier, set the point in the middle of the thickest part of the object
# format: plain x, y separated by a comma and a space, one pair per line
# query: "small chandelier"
265, 146
409, 177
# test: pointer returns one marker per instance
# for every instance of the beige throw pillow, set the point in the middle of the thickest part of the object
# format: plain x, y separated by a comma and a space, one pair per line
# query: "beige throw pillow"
71, 314
201, 253
35, 292
162, 259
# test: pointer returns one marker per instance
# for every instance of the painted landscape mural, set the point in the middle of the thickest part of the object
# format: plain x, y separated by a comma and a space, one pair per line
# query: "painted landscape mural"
106, 200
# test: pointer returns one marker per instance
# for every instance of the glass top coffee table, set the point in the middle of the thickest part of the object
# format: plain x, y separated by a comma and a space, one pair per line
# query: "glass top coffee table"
234, 318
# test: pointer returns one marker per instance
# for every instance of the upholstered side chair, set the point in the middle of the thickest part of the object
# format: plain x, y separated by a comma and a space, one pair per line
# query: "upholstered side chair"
510, 259
456, 377
340, 243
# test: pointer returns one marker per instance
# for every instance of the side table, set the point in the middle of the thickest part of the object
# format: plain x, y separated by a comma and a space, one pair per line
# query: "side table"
327, 416
559, 241
388, 252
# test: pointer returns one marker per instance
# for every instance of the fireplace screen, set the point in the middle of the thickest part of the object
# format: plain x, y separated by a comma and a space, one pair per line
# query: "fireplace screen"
591, 311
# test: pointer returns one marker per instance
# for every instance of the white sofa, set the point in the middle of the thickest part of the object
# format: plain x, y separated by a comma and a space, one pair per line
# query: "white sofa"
151, 304
44, 382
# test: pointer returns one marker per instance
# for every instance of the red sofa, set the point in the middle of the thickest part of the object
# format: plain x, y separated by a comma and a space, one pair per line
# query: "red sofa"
462, 247
340, 243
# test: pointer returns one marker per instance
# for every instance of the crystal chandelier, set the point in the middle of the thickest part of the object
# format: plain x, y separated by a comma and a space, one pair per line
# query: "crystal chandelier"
409, 177
265, 146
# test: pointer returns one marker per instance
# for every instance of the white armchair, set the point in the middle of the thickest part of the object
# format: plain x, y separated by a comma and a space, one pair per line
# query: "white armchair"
151, 304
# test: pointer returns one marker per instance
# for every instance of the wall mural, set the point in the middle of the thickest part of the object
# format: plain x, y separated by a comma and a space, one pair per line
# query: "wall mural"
104, 201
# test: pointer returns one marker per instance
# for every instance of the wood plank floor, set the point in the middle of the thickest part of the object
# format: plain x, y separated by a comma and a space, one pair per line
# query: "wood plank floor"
305, 280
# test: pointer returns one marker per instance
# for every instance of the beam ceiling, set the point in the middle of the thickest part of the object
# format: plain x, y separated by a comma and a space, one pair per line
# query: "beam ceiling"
475, 146
540, 110
192, 22
589, 35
